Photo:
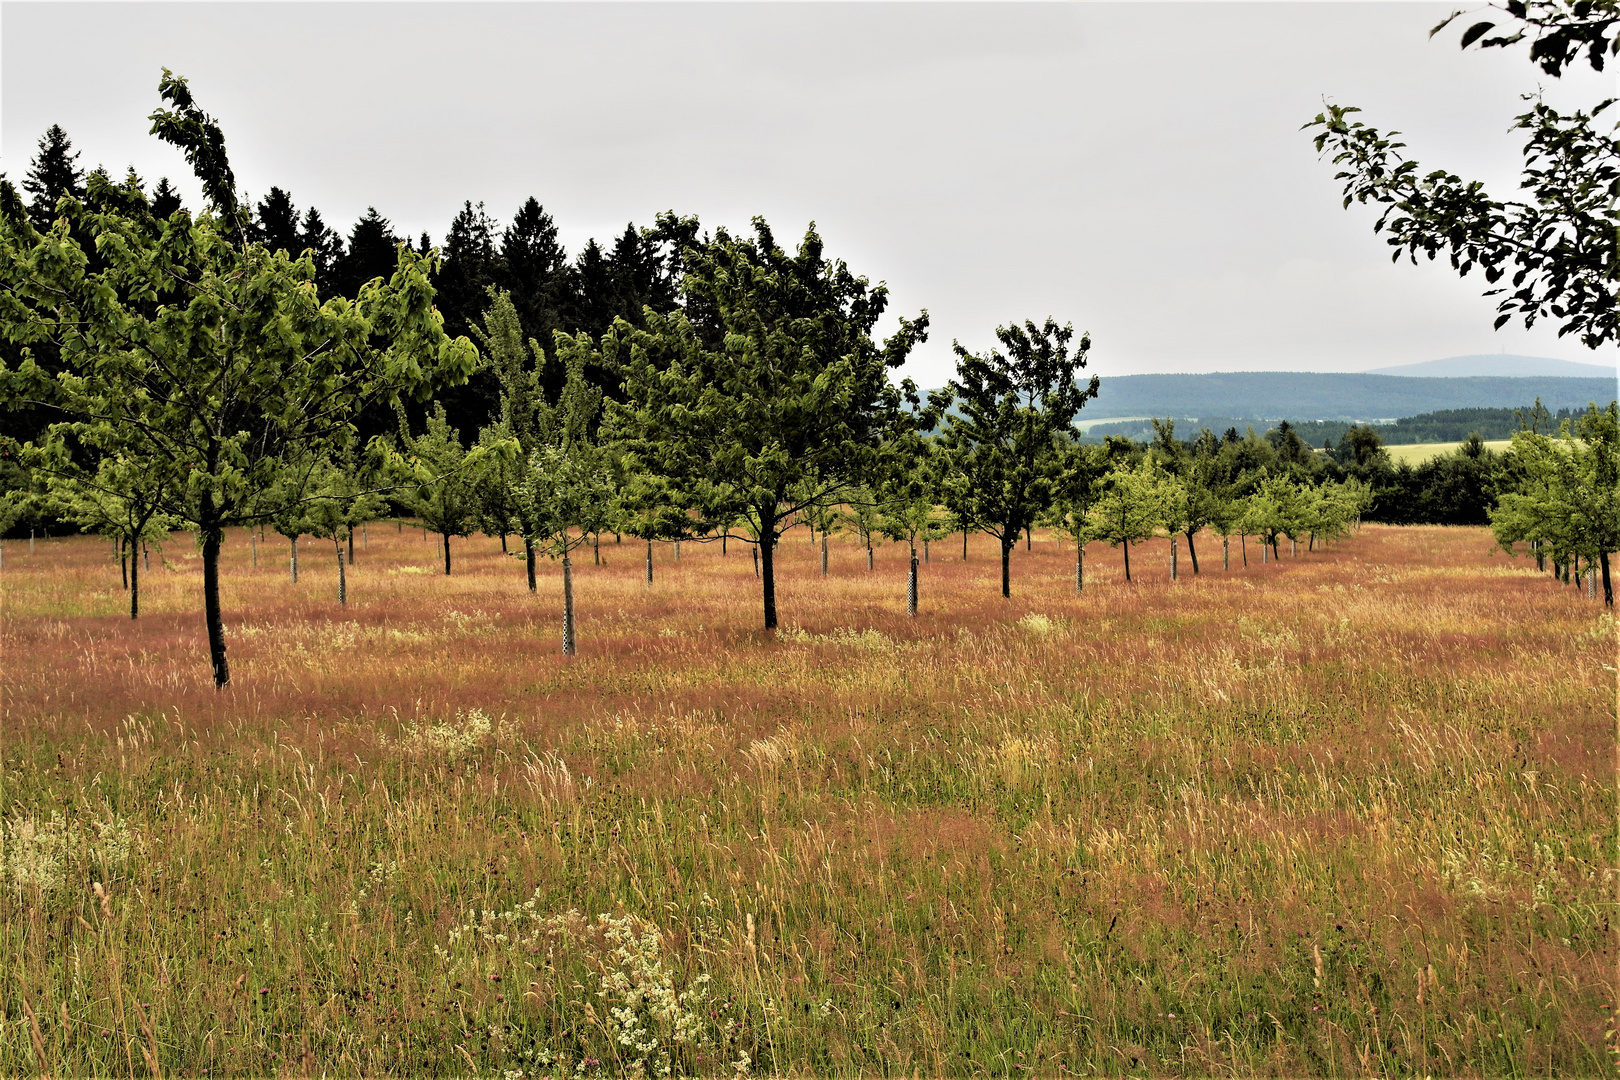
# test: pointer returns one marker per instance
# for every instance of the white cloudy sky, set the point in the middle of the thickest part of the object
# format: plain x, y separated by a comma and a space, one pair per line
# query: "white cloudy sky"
1135, 168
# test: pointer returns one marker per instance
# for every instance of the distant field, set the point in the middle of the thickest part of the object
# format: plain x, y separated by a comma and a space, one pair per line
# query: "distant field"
1346, 813
1417, 453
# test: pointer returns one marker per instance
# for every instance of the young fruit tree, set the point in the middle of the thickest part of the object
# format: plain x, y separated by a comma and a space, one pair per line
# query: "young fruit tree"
1568, 504
777, 400
1131, 506
1275, 509
440, 478
197, 355
1002, 450
340, 496
567, 491
117, 499
905, 496
1078, 486
1195, 500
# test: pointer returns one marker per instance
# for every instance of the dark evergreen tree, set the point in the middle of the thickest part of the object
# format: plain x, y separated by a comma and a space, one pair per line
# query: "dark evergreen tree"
326, 248
595, 300
275, 223
643, 278
536, 269
52, 174
165, 200
469, 268
371, 254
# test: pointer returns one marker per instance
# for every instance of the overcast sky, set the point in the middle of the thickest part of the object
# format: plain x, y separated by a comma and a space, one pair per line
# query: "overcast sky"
1137, 169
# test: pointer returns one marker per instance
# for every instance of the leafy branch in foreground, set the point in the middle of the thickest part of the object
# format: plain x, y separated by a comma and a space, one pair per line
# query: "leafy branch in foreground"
1556, 252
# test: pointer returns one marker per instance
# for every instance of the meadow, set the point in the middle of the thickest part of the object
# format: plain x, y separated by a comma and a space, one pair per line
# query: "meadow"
1418, 453
1351, 812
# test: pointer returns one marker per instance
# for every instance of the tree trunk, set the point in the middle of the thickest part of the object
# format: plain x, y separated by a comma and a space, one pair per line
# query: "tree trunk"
1293, 548
1127, 546
134, 588
146, 557
447, 554
1029, 539
30, 541
677, 551
253, 543
503, 543
1192, 552
756, 562
823, 554
767, 558
568, 605
343, 578
596, 547
964, 545
1608, 586
1541, 556
351, 547
1172, 558
1079, 568
1006, 565
1243, 542
868, 554
649, 564
723, 538
1226, 554
528, 559
911, 585
925, 549
211, 614
123, 559
292, 562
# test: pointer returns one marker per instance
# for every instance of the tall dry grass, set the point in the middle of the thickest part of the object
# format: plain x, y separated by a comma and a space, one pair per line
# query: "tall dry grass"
1346, 813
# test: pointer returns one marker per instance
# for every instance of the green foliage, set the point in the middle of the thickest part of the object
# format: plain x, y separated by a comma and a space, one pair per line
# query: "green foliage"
784, 404
1131, 505
1568, 500
1002, 448
441, 480
1079, 484
205, 361
1557, 253
1276, 508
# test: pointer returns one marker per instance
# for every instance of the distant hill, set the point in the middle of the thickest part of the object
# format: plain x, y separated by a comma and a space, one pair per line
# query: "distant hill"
1302, 395
1446, 427
1497, 364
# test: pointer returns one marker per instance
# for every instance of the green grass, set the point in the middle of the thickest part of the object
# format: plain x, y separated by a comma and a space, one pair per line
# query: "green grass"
1350, 812
1418, 453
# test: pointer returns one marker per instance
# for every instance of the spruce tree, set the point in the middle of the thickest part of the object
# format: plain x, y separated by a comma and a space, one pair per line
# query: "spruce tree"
275, 223
165, 200
371, 254
52, 175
